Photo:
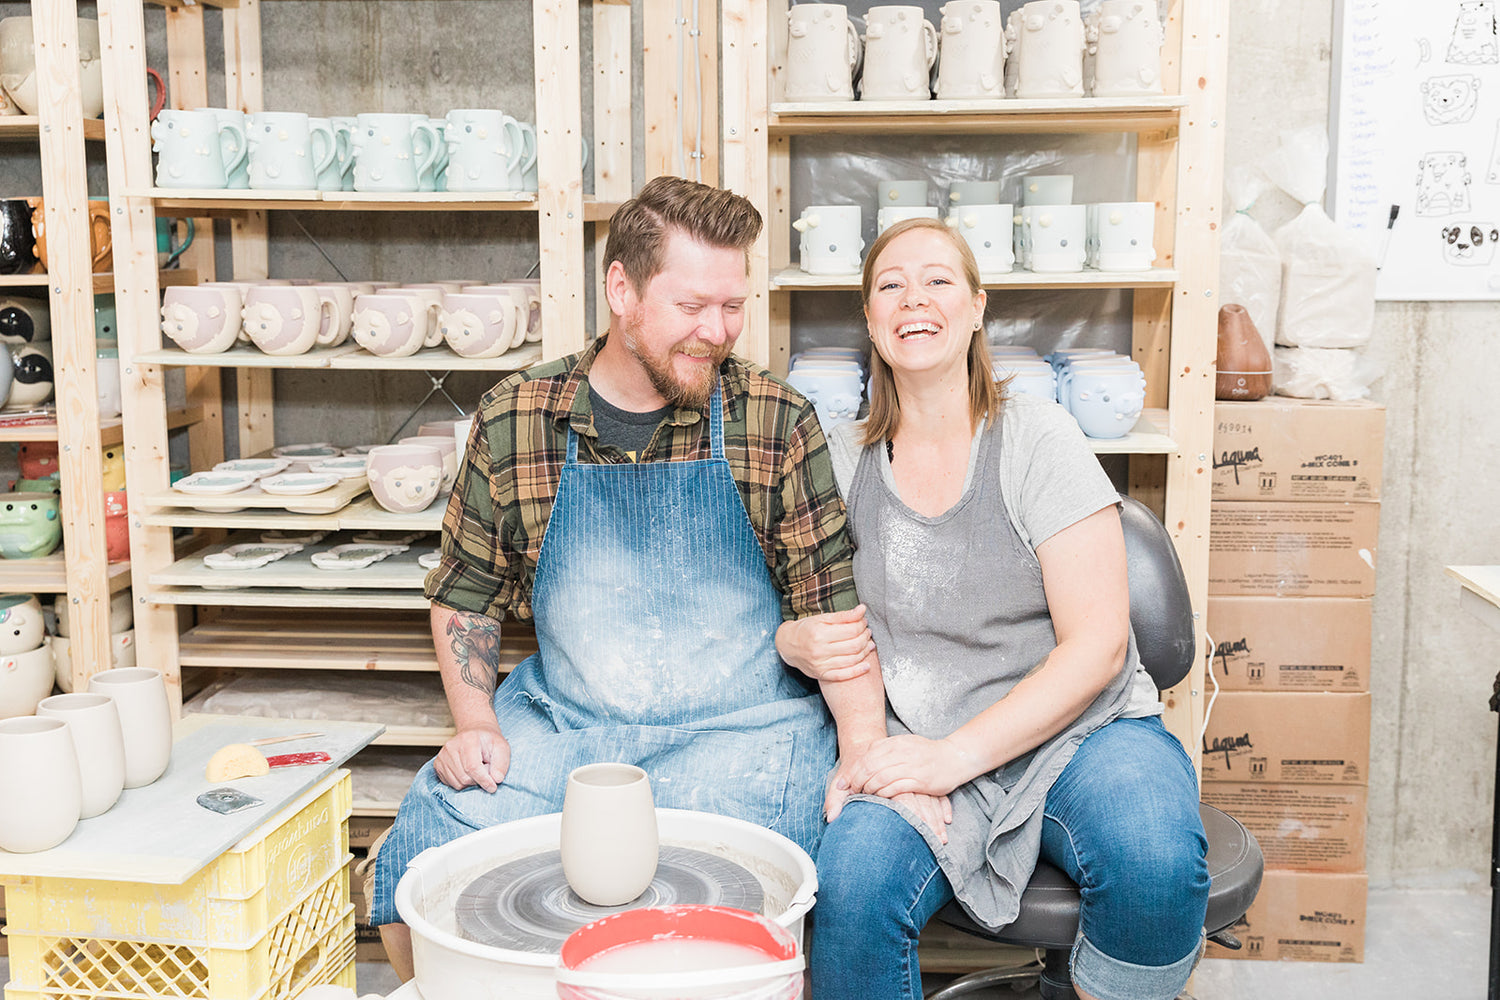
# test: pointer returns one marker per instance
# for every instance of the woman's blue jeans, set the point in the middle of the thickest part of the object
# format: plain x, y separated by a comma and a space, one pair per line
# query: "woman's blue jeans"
1121, 821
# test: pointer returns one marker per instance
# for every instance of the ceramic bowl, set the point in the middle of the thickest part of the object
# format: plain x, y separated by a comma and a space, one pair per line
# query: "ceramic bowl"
21, 624
29, 525
405, 478
25, 679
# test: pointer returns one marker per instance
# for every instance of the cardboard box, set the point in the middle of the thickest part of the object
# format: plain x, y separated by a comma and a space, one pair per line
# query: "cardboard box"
1286, 644
1272, 549
1303, 827
365, 830
1311, 738
1303, 917
1279, 448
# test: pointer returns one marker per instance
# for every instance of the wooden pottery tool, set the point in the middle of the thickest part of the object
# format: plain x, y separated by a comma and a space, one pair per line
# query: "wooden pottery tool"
243, 760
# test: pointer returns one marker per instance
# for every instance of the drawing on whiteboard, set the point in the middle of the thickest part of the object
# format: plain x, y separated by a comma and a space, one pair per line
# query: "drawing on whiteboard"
1442, 184
1470, 244
1492, 174
1424, 51
1474, 34
1450, 100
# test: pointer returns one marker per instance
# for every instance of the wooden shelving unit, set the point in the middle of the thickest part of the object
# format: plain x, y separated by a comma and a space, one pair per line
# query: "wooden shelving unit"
1178, 165
289, 628
60, 131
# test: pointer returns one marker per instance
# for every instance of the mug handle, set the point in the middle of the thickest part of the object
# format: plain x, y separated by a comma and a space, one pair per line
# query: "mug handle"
426, 159
321, 161
336, 319
529, 160
930, 40
99, 239
153, 79
434, 328
515, 142
241, 148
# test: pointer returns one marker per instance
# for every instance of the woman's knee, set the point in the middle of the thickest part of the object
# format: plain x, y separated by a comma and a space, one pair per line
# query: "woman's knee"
872, 866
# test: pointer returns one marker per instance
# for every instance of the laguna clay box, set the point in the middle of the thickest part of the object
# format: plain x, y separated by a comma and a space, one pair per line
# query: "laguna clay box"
1312, 738
1288, 644
1280, 448
1305, 827
1277, 549
1303, 917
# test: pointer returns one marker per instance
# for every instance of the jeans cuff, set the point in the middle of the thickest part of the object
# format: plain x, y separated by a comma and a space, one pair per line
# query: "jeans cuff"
1111, 979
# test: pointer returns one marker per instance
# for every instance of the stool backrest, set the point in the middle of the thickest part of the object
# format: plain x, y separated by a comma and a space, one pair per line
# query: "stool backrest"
1161, 613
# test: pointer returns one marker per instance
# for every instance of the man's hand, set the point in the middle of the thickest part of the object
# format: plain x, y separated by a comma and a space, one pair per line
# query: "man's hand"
835, 646
900, 764
478, 755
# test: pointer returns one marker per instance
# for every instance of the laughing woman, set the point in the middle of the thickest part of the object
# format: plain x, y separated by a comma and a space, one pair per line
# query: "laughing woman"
1021, 724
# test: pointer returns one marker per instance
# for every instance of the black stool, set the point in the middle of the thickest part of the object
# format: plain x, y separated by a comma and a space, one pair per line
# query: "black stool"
1161, 616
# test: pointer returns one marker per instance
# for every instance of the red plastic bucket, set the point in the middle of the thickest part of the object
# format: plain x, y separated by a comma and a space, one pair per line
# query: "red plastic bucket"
680, 953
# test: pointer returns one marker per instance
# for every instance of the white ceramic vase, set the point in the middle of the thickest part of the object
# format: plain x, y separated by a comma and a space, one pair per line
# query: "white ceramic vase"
609, 839
94, 724
39, 785
145, 720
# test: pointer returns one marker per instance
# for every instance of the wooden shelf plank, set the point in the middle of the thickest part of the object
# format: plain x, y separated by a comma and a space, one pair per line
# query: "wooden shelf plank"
362, 515
110, 431
969, 117
49, 575
367, 515
329, 501
30, 126
346, 357
1148, 437
270, 597
397, 572
104, 281
224, 202
793, 279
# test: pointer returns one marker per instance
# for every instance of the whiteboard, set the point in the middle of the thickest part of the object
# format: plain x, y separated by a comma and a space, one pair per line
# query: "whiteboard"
1416, 138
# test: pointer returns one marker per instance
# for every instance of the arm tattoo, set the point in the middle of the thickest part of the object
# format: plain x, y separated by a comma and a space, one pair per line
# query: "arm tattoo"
475, 641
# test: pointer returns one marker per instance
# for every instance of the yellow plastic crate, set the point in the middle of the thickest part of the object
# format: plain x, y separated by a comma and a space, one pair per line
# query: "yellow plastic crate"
268, 919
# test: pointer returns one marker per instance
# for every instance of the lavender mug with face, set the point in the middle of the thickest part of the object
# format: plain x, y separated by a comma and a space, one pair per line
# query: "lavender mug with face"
202, 320
393, 324
283, 320
405, 478
480, 324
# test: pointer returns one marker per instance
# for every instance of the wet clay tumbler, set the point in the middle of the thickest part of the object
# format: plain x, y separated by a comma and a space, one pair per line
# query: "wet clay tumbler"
610, 842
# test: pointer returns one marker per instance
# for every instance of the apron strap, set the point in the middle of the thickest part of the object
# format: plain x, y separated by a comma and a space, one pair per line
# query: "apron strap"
716, 422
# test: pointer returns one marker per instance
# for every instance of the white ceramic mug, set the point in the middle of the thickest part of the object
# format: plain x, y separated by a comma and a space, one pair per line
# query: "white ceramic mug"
331, 176
1121, 234
1049, 50
987, 230
480, 324
1124, 39
1047, 189
39, 784
196, 149
486, 149
609, 839
94, 724
822, 50
902, 193
396, 323
145, 720
1058, 238
336, 312
288, 150
238, 161
831, 241
900, 48
391, 150
971, 57
888, 217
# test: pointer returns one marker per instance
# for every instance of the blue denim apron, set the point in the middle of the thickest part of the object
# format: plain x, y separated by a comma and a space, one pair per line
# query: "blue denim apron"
656, 620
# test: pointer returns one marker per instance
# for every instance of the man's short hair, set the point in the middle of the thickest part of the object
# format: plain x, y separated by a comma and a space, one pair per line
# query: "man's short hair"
710, 215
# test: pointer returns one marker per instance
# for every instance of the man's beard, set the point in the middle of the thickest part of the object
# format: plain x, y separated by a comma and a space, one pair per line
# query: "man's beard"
682, 393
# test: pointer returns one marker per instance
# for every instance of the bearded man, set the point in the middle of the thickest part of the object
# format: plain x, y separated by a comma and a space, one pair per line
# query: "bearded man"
658, 509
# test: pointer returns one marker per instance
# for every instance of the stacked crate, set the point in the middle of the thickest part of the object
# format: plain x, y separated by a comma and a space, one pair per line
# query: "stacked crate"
1292, 546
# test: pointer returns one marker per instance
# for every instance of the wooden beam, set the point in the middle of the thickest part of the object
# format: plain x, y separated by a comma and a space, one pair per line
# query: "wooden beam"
745, 158
560, 169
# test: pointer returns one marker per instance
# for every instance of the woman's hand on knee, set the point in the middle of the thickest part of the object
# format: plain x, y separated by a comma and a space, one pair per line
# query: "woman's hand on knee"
897, 765
934, 810
835, 646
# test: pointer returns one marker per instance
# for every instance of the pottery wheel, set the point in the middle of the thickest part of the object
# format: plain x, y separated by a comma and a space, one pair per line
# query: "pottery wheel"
526, 905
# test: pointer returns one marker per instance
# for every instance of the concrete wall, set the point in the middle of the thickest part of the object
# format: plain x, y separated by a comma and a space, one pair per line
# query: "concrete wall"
1434, 741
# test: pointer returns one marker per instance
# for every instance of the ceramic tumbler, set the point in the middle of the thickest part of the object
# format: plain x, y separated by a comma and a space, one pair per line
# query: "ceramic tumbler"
1049, 50
900, 47
1047, 189
41, 796
1121, 234
94, 725
145, 720
288, 150
822, 51
391, 150
888, 217
485, 148
971, 51
974, 193
197, 149
609, 839
1125, 39
831, 241
903, 194
202, 320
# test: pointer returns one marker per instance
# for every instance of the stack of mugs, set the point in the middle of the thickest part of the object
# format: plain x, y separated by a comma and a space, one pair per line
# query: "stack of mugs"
976, 213
1045, 50
74, 757
833, 380
469, 149
1055, 236
286, 318
1104, 391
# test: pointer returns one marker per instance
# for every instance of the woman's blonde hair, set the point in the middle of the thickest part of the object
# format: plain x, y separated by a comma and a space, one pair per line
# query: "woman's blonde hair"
885, 405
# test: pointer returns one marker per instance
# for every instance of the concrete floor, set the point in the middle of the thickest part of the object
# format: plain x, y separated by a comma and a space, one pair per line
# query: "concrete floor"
1419, 943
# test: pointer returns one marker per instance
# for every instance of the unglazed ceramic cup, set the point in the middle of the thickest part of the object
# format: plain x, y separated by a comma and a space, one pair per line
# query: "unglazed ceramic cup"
1057, 238
889, 216
480, 324
94, 724
900, 47
21, 624
971, 40
29, 525
1121, 234
202, 320
395, 323
288, 150
1049, 50
391, 150
830, 241
1125, 38
822, 50
197, 149
907, 193
485, 146
987, 230
145, 720
405, 478
609, 839
283, 320
25, 679
974, 193
39, 784
446, 448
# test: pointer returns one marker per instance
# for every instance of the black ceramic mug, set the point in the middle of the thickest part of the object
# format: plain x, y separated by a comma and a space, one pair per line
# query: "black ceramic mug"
17, 242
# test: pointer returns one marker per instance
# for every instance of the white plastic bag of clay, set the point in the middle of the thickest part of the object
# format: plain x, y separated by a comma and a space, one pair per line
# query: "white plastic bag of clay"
1249, 262
1322, 373
1327, 276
